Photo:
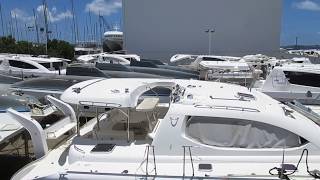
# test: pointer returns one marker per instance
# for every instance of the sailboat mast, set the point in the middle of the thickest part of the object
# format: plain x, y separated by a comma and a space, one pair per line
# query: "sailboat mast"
36, 25
16, 22
74, 23
1, 20
46, 23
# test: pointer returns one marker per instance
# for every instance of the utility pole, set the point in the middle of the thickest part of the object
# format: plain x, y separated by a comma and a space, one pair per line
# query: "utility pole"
36, 25
210, 32
1, 20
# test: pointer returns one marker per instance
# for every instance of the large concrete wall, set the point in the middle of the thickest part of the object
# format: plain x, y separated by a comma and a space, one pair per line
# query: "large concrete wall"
159, 29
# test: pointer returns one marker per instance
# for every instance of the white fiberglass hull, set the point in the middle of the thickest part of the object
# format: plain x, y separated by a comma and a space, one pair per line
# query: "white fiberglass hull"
285, 96
122, 164
27, 74
241, 79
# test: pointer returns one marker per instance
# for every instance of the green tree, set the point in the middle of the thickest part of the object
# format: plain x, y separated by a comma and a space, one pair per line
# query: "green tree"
56, 48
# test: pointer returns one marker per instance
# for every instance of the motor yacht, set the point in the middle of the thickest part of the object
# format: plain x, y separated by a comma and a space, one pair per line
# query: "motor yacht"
160, 65
206, 130
221, 68
294, 82
42, 86
113, 40
86, 48
100, 70
124, 59
149, 72
28, 66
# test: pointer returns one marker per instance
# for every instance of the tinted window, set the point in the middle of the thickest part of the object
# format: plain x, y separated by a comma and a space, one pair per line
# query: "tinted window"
46, 65
238, 133
19, 64
211, 59
57, 65
84, 71
303, 78
143, 64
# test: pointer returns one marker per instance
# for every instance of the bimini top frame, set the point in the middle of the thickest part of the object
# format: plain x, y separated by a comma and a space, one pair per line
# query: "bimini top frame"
112, 93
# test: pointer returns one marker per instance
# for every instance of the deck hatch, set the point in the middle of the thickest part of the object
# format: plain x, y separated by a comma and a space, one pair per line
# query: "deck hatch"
103, 148
205, 167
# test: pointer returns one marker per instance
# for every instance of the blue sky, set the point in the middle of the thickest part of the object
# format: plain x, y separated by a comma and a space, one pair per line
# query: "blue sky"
301, 18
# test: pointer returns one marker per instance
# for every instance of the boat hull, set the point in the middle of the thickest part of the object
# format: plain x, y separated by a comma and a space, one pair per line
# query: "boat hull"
112, 45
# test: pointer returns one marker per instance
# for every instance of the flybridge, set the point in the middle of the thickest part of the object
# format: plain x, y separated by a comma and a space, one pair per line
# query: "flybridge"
122, 93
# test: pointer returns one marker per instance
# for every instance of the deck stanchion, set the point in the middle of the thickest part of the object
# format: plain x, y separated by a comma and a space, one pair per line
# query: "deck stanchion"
26, 144
78, 121
154, 161
191, 160
97, 115
147, 160
184, 160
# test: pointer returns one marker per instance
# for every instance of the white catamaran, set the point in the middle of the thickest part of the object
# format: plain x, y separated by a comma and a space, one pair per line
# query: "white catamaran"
205, 130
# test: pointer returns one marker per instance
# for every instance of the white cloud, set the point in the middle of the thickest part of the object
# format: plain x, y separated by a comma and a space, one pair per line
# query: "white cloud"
307, 5
104, 7
21, 15
53, 15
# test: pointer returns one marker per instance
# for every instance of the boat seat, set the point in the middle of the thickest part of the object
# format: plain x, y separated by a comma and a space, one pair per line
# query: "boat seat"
147, 105
59, 128
42, 112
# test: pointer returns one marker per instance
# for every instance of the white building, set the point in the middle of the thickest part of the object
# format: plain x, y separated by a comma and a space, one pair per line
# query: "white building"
159, 29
